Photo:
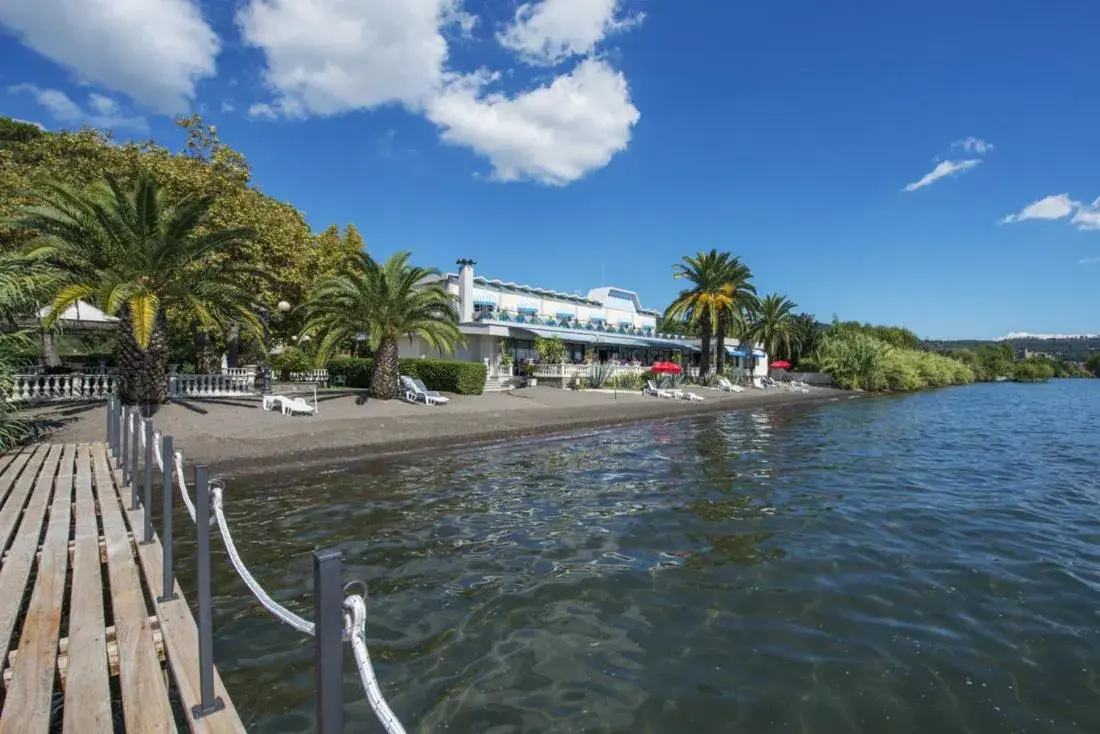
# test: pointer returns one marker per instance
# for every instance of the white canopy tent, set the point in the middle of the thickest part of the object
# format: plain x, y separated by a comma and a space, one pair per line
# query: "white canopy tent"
81, 315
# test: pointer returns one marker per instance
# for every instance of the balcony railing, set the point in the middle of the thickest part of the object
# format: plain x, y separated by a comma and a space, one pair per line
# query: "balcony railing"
61, 388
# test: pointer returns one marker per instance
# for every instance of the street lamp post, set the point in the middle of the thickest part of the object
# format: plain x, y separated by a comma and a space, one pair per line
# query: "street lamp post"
265, 314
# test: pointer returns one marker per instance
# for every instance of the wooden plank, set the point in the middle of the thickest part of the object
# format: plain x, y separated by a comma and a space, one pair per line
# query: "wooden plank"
112, 654
17, 497
16, 570
87, 693
11, 471
145, 706
181, 638
27, 704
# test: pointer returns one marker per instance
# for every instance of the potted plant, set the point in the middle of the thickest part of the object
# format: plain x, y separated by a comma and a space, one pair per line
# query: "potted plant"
529, 370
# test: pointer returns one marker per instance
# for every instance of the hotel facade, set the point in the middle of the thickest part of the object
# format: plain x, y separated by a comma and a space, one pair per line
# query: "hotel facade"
609, 324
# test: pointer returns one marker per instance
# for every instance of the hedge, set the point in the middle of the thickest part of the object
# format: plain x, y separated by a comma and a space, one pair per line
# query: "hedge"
463, 378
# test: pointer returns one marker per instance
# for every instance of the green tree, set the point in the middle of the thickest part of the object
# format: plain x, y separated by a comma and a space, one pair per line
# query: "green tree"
1093, 364
384, 302
13, 132
551, 350
336, 255
774, 326
137, 254
806, 340
700, 305
740, 295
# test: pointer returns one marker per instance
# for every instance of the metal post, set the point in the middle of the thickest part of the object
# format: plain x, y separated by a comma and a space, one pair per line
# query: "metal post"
266, 313
110, 411
208, 702
328, 650
168, 586
135, 444
124, 458
148, 488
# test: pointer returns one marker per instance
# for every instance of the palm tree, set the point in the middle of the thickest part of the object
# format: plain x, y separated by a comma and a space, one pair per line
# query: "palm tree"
383, 301
740, 295
700, 306
774, 325
807, 336
22, 283
135, 254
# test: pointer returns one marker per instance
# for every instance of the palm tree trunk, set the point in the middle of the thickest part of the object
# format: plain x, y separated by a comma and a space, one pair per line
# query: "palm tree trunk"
129, 357
720, 347
233, 344
141, 372
205, 361
705, 332
386, 379
49, 349
156, 363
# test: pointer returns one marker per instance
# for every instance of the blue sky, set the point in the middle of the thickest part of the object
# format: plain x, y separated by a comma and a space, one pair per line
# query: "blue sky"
578, 143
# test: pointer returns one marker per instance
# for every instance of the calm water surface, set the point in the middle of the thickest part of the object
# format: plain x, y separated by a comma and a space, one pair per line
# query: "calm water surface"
928, 563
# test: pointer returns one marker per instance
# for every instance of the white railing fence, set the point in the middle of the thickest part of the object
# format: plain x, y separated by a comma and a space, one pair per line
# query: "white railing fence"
319, 377
61, 388
569, 371
239, 372
210, 386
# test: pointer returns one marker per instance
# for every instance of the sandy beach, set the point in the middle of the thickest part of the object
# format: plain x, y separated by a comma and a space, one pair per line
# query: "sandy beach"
236, 437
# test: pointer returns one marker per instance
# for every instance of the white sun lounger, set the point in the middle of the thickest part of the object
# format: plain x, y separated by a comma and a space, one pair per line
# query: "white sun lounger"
292, 406
727, 386
691, 396
271, 402
652, 389
416, 392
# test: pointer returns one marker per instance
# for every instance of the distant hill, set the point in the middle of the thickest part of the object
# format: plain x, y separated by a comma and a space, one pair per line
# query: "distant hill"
1072, 348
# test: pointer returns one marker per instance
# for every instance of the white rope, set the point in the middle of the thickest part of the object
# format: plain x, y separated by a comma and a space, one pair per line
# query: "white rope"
281, 612
355, 623
183, 486
156, 451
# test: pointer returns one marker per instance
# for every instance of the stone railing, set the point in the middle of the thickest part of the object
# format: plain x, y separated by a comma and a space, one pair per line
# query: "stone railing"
210, 386
569, 371
239, 372
61, 388
319, 377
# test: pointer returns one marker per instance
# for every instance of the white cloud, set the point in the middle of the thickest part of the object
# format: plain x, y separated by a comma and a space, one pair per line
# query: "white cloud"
1089, 261
1056, 206
104, 113
331, 56
262, 111
973, 145
228, 107
549, 31
152, 50
1087, 216
554, 134
1030, 335
942, 170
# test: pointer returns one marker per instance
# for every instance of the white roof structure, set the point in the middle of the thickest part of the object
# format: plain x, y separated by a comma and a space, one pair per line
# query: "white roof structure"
80, 314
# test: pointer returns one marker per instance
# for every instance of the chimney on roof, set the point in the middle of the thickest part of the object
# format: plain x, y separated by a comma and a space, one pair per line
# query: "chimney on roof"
465, 289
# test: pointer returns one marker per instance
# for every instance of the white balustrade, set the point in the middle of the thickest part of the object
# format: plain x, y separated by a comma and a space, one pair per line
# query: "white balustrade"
210, 386
569, 371
239, 372
61, 388
315, 376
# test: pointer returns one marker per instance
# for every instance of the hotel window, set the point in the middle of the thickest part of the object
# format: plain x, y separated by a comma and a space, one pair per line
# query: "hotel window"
485, 307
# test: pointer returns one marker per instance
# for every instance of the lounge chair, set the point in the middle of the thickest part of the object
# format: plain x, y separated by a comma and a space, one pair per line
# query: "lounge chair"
433, 394
415, 392
759, 384
727, 386
271, 402
652, 389
691, 396
291, 406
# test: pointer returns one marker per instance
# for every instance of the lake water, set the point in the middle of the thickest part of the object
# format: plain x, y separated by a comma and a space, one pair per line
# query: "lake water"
925, 563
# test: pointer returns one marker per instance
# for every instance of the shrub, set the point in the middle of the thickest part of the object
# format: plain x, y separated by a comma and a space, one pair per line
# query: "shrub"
550, 350
627, 381
291, 359
599, 376
1033, 370
463, 378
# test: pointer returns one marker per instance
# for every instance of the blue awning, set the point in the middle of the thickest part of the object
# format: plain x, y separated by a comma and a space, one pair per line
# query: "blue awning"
735, 352
527, 309
485, 303
758, 353
597, 318
564, 315
585, 337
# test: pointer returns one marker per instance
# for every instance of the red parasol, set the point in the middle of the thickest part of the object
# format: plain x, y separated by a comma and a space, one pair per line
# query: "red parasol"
667, 367
781, 364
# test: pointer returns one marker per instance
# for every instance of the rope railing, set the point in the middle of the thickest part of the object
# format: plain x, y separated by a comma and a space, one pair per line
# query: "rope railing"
354, 605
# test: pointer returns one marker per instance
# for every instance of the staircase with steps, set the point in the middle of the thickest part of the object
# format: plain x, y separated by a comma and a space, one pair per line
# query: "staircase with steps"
502, 383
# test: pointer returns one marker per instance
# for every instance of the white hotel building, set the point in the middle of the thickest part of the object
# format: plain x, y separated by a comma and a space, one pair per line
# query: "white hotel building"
610, 323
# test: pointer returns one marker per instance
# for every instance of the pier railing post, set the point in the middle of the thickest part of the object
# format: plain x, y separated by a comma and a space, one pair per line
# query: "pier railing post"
147, 496
208, 702
135, 444
110, 428
328, 650
124, 456
168, 577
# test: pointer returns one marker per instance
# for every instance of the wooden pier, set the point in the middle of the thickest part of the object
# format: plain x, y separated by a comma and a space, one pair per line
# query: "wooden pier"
87, 644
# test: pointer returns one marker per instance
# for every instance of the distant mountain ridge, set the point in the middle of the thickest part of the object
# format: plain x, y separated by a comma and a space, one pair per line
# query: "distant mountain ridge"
1072, 347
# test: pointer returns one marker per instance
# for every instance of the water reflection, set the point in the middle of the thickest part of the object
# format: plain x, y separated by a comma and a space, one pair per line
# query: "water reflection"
874, 566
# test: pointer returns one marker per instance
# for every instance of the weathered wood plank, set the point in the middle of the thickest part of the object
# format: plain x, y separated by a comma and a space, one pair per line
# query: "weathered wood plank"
17, 497
16, 570
112, 654
27, 704
145, 705
11, 471
87, 693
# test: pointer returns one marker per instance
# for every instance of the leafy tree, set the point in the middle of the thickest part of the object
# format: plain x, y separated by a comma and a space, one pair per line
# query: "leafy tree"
774, 325
806, 340
137, 254
551, 350
1093, 364
336, 255
701, 305
733, 315
384, 302
17, 131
